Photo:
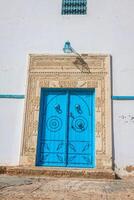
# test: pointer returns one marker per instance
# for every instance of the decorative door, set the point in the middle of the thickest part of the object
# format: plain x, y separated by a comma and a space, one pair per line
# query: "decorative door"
66, 128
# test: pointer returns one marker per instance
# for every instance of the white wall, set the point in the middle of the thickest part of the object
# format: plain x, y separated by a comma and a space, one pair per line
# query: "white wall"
123, 133
11, 118
38, 27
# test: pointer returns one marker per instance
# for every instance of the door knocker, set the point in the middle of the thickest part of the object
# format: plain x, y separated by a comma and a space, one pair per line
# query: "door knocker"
58, 108
78, 108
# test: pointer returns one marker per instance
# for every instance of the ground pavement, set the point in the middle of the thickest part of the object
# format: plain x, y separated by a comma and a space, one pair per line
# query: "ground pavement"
48, 188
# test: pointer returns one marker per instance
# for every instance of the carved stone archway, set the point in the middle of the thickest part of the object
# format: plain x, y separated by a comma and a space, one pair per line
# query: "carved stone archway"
59, 71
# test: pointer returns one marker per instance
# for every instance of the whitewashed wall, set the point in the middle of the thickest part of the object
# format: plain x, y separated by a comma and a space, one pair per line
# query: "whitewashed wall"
11, 118
38, 27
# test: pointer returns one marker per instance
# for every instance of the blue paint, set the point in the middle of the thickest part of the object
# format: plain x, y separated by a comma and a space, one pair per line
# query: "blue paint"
66, 134
15, 96
122, 97
93, 129
11, 96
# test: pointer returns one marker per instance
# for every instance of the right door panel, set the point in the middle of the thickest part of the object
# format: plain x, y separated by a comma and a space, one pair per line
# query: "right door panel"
80, 134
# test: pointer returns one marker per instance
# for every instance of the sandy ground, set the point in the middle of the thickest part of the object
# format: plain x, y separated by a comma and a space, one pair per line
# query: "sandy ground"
48, 188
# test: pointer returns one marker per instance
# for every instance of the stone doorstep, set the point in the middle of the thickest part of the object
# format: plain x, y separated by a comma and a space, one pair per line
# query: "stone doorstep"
59, 172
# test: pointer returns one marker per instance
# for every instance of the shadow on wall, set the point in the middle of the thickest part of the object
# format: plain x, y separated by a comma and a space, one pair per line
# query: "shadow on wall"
81, 64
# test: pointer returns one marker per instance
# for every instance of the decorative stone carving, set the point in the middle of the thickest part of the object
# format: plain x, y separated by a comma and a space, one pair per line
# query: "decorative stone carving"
62, 72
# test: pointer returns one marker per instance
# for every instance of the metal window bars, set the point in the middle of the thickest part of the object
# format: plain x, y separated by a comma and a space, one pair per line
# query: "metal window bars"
74, 7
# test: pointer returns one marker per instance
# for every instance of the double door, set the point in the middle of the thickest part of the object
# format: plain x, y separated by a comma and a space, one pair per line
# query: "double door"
66, 128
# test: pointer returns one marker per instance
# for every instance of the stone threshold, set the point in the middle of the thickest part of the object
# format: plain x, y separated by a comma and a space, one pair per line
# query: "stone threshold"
59, 172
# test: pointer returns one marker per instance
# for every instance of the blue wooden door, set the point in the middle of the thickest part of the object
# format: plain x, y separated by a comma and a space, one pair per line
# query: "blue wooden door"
66, 131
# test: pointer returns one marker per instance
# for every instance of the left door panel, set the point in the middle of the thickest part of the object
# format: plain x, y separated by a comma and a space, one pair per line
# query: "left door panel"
51, 150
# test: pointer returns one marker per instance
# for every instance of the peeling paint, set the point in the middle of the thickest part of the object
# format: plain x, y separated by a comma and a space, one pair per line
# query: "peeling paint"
130, 168
129, 118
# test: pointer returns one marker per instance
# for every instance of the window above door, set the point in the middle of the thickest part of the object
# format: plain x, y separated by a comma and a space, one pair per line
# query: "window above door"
74, 7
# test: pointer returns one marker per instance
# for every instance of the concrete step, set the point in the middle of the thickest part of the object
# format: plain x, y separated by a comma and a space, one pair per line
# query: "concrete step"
59, 172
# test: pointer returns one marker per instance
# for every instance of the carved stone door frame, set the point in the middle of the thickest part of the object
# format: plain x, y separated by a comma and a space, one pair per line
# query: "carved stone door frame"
60, 71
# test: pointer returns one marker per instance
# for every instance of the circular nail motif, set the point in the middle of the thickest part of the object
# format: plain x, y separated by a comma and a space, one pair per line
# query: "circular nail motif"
54, 124
79, 124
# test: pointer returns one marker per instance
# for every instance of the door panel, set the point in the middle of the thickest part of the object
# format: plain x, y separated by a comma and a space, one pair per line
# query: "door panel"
54, 122
80, 128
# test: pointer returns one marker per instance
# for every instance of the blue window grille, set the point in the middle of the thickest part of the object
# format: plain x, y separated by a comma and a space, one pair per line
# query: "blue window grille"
74, 7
